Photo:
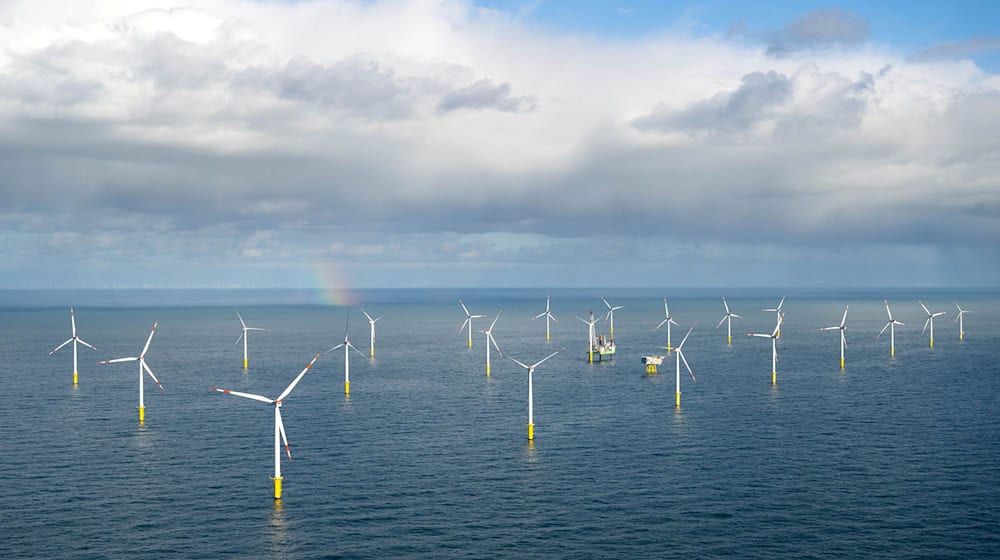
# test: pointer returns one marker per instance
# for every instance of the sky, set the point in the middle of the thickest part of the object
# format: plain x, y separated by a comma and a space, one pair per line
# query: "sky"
452, 143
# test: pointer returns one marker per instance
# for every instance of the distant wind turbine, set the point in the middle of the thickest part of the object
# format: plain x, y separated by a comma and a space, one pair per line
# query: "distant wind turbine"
75, 340
668, 321
347, 346
468, 320
371, 326
958, 318
611, 316
891, 325
930, 320
677, 361
531, 397
777, 312
244, 337
774, 348
142, 366
728, 317
548, 315
489, 338
591, 335
843, 339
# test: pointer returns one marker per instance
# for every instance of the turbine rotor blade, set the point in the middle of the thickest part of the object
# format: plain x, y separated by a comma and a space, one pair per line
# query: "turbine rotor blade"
60, 346
72, 320
883, 329
844, 320
116, 360
150, 339
241, 319
925, 325
546, 358
281, 430
494, 321
150, 372
924, 306
297, 379
686, 337
334, 348
519, 362
683, 359
85, 343
244, 395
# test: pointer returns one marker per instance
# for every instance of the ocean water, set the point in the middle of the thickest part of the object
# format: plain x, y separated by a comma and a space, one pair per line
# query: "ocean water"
429, 458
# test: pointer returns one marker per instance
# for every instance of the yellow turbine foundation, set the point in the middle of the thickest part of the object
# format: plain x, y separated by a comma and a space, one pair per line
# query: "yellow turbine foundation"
372, 353
470, 344
729, 340
277, 487
347, 387
590, 357
546, 336
841, 363
245, 363
531, 432
892, 351
961, 335
932, 343
678, 400
774, 378
75, 378
487, 370
142, 414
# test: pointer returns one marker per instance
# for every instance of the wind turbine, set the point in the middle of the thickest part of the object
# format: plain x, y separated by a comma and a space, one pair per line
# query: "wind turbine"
590, 335
843, 338
548, 315
489, 338
611, 314
774, 347
142, 366
668, 321
777, 311
531, 398
677, 359
371, 325
243, 336
728, 317
74, 339
279, 426
346, 344
468, 320
961, 326
891, 325
930, 320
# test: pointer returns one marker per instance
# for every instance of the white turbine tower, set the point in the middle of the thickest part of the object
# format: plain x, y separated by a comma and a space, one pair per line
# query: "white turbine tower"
244, 337
611, 315
279, 426
75, 340
489, 338
777, 312
891, 325
843, 339
371, 328
468, 320
961, 325
930, 320
677, 362
668, 321
728, 317
591, 335
774, 348
531, 398
142, 366
548, 315
347, 346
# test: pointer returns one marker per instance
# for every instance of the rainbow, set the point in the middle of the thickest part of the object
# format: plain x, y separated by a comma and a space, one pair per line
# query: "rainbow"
332, 285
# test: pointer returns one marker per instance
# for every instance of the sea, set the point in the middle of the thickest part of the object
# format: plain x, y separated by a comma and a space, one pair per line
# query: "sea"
429, 458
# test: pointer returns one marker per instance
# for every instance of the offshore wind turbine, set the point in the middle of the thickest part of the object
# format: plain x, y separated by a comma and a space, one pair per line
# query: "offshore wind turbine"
728, 317
468, 320
531, 398
548, 315
774, 347
777, 312
611, 315
371, 327
75, 340
930, 320
843, 339
668, 321
590, 335
958, 318
243, 336
891, 325
279, 426
142, 366
677, 360
346, 344
489, 338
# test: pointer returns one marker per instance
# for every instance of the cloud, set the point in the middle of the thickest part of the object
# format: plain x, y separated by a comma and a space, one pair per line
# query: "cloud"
485, 94
957, 49
251, 136
822, 29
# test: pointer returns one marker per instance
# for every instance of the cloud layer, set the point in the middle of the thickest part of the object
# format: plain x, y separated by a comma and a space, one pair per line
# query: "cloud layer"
439, 135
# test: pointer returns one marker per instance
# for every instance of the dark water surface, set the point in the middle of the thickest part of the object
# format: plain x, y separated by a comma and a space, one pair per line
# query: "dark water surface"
429, 458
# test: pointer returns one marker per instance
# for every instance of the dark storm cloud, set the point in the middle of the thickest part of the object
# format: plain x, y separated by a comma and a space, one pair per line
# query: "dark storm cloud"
485, 94
817, 30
